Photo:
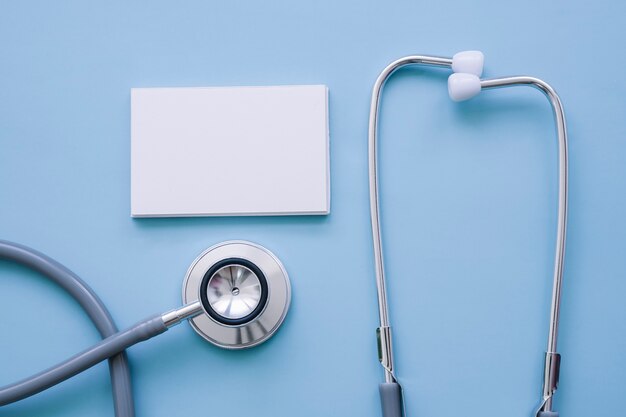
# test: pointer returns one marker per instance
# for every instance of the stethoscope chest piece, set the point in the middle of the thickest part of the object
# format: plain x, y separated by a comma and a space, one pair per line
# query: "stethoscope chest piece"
244, 291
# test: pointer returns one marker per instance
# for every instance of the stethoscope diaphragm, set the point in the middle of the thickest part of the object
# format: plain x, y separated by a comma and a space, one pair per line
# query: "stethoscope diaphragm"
243, 289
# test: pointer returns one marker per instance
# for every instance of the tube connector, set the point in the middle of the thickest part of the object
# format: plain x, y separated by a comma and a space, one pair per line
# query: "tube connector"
383, 336
551, 371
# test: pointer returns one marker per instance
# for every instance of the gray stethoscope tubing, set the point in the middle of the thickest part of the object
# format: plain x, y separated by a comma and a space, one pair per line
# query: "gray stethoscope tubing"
247, 298
391, 390
95, 309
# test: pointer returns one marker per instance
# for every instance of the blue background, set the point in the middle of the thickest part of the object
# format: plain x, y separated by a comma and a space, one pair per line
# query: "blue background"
468, 205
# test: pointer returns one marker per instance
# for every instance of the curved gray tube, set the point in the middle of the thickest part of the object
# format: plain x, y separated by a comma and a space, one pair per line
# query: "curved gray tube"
93, 306
548, 414
108, 347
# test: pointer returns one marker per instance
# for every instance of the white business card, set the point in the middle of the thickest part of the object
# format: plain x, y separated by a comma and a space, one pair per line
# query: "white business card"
229, 151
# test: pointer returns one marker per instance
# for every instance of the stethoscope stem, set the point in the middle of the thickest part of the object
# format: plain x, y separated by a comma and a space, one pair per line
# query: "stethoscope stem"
174, 317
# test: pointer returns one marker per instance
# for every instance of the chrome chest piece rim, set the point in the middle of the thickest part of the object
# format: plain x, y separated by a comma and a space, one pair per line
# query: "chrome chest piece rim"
244, 291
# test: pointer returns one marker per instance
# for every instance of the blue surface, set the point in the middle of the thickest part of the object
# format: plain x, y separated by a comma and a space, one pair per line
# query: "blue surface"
468, 190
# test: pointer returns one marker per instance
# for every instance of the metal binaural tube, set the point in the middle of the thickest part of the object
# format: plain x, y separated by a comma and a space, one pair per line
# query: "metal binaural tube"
386, 347
552, 361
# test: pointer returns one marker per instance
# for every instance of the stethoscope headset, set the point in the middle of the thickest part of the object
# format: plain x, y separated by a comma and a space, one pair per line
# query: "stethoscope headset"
463, 84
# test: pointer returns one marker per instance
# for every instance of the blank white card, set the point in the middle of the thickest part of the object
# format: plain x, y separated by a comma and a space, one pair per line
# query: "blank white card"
229, 151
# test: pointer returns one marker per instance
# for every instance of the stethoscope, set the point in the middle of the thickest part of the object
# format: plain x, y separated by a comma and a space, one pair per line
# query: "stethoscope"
463, 84
236, 295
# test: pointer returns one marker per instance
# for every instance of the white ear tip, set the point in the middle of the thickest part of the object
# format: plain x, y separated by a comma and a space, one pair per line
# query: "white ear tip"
470, 62
463, 86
